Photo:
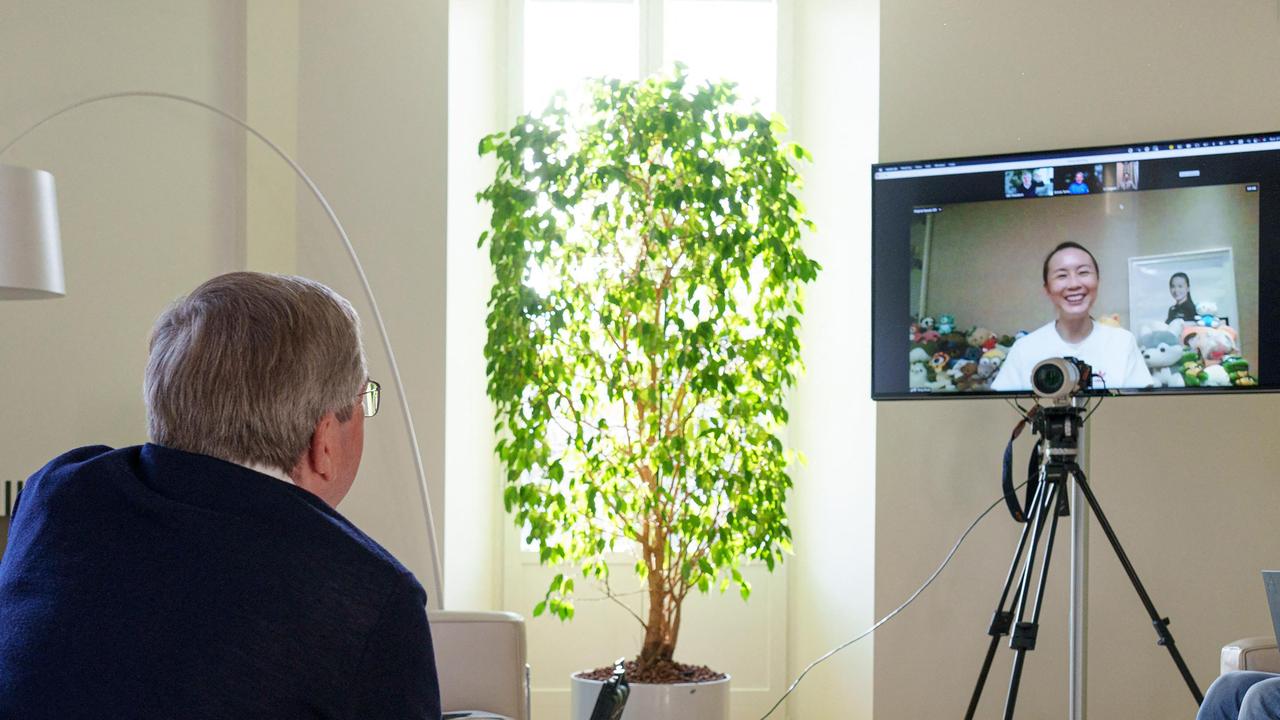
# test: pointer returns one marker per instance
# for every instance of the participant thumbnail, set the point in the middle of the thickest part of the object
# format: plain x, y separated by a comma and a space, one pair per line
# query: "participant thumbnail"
1032, 182
1081, 179
1120, 176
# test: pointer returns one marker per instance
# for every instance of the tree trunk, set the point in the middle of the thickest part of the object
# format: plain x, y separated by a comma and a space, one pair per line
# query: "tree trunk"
659, 637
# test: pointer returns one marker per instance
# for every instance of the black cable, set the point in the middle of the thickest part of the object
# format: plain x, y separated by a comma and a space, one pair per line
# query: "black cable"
1022, 412
900, 608
1097, 404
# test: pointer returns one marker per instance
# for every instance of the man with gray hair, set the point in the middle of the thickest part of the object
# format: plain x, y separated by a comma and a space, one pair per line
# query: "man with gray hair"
206, 574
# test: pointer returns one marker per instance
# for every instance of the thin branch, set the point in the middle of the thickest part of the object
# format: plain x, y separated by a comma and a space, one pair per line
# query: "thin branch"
614, 597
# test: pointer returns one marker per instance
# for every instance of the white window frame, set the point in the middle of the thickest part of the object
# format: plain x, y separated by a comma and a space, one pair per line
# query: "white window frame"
652, 31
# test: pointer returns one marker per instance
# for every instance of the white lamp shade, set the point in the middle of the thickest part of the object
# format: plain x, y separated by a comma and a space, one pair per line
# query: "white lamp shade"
30, 244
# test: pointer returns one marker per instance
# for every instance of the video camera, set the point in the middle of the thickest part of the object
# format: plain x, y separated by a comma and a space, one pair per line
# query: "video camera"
1058, 380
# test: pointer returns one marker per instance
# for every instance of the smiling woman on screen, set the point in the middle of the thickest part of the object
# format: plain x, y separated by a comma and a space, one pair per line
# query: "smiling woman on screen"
1070, 275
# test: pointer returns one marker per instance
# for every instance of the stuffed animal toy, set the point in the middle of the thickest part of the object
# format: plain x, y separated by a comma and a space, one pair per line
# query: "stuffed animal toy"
1212, 343
969, 379
982, 338
1161, 351
1112, 320
914, 334
926, 323
946, 324
989, 365
1192, 371
1207, 315
1154, 336
939, 362
943, 383
929, 337
1157, 327
953, 344
1215, 376
918, 379
1238, 371
957, 368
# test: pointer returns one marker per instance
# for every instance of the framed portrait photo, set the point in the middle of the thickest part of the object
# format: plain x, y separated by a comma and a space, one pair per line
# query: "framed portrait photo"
1165, 287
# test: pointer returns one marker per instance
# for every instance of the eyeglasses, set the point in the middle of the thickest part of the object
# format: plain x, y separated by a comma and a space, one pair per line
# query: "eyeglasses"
369, 398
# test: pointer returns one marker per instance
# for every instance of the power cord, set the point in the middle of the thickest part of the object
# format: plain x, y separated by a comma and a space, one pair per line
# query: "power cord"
900, 608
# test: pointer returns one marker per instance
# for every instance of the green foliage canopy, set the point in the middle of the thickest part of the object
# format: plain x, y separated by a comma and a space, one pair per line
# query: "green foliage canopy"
642, 335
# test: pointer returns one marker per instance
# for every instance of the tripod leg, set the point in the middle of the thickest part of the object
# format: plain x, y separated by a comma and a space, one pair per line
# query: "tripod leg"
1024, 633
1161, 624
1002, 619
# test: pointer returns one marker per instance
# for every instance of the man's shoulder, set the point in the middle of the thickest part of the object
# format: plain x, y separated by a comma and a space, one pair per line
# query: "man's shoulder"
218, 503
71, 460
62, 471
365, 549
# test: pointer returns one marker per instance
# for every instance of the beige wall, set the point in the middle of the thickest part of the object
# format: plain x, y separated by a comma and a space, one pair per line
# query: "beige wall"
151, 195
153, 201
1195, 510
372, 132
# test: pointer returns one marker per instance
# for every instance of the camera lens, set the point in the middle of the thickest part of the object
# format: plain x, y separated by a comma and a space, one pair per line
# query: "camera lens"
1048, 379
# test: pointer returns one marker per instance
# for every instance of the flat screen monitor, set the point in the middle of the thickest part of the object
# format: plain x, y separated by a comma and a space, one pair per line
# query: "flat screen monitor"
1147, 261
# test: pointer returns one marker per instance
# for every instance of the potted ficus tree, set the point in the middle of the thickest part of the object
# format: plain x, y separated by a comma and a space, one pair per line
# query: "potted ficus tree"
642, 335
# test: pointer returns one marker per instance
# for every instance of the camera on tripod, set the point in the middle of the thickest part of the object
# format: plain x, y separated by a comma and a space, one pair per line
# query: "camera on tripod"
1058, 380
1052, 471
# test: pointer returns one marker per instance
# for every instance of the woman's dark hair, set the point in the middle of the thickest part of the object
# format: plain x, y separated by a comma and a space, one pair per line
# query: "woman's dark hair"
1182, 275
1044, 273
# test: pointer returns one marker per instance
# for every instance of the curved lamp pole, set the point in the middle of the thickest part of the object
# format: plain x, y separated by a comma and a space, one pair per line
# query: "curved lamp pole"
436, 599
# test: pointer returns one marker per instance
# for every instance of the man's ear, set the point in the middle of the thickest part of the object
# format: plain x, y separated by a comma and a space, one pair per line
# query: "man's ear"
319, 452
316, 466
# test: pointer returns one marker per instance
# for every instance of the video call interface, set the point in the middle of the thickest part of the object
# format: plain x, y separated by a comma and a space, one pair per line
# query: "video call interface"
1156, 285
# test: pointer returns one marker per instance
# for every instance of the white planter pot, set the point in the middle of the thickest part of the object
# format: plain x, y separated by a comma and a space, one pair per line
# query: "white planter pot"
681, 701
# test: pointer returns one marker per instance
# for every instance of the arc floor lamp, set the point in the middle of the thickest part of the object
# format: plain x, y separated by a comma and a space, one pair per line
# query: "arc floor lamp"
31, 261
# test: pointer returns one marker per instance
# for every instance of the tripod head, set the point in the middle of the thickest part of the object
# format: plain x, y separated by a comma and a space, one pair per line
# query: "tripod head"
1059, 426
1059, 382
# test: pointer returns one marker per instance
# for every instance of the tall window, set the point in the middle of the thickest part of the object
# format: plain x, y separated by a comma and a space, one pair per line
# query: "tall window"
564, 41
561, 43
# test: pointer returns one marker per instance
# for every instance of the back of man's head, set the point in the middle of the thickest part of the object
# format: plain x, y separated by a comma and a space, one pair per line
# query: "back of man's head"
245, 366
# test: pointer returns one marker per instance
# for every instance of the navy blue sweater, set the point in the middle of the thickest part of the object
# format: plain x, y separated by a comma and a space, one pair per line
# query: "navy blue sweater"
147, 582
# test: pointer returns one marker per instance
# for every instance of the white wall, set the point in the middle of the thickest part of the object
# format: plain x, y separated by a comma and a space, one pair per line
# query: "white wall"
833, 505
372, 132
151, 195
477, 63
1187, 482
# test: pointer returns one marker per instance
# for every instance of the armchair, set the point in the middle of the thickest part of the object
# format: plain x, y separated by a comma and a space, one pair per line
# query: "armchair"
1254, 653
481, 662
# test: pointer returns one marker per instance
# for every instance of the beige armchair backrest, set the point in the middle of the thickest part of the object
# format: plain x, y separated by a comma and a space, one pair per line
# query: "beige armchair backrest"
481, 662
1255, 653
